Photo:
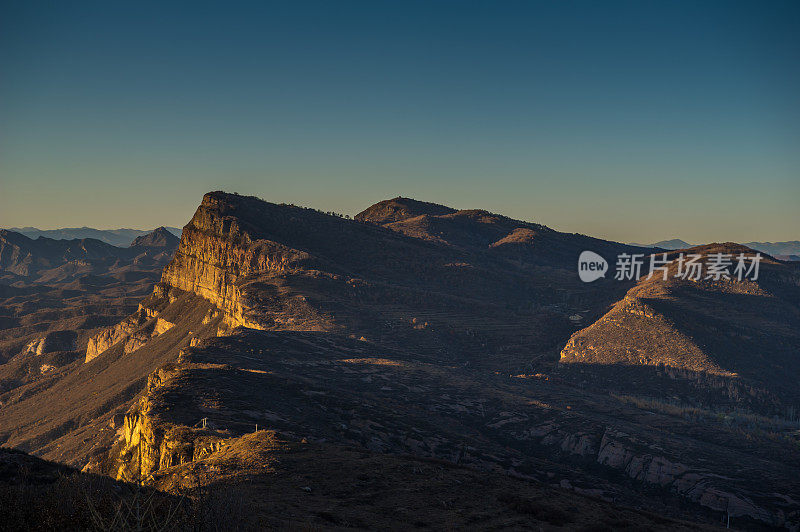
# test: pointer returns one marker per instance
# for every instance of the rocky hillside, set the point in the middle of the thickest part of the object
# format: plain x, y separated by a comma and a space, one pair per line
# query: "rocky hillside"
327, 389
265, 482
417, 331
708, 342
282, 267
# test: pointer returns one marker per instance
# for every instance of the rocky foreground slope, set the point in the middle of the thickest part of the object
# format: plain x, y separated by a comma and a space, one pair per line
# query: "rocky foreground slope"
414, 330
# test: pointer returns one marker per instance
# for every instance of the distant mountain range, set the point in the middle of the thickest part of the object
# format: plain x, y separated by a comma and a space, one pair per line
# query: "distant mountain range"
675, 243
46, 259
789, 250
115, 237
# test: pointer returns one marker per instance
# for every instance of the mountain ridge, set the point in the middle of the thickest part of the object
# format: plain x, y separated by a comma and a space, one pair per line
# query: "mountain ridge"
784, 250
432, 335
122, 237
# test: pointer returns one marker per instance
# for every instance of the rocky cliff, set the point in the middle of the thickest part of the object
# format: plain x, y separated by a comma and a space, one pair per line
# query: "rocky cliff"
216, 252
146, 444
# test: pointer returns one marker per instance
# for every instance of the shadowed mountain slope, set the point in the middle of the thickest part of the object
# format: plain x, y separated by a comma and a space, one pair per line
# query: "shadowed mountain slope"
289, 484
736, 339
419, 336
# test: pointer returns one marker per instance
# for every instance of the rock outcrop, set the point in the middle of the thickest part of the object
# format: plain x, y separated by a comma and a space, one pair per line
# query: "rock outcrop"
147, 445
121, 332
133, 332
53, 342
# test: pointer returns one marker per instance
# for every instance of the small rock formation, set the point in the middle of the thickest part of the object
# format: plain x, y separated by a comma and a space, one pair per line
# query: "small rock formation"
52, 342
134, 332
162, 326
102, 341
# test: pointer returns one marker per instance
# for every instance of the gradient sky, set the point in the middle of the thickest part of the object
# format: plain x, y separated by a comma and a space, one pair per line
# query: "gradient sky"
634, 121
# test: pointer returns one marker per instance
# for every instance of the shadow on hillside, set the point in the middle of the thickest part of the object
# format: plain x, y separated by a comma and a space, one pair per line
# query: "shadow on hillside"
754, 336
681, 388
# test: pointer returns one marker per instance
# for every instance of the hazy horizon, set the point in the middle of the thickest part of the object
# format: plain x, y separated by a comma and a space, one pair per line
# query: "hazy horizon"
630, 121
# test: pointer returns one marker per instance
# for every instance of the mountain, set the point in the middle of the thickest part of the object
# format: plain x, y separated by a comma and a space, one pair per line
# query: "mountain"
675, 243
780, 250
159, 238
315, 362
115, 237
56, 294
46, 259
775, 249
23, 256
487, 234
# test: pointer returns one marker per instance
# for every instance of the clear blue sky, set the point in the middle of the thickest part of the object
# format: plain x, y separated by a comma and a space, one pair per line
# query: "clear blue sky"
634, 121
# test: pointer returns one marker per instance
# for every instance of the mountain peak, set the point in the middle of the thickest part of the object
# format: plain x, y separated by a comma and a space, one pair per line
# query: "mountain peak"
158, 238
675, 243
400, 208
